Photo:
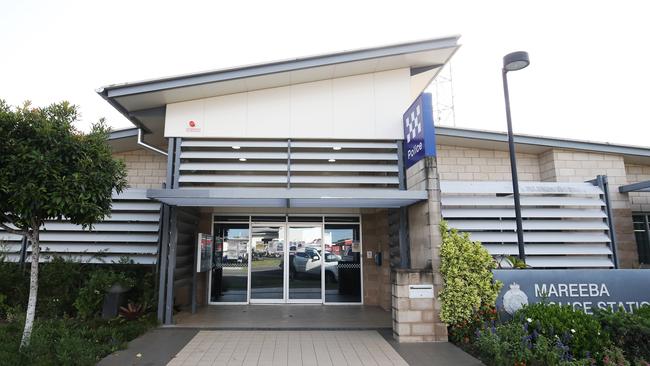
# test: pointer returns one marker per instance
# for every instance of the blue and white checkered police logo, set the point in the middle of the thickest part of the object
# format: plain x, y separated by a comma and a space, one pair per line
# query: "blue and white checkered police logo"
419, 132
514, 299
413, 124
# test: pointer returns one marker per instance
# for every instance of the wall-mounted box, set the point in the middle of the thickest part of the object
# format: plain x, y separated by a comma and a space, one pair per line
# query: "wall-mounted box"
420, 291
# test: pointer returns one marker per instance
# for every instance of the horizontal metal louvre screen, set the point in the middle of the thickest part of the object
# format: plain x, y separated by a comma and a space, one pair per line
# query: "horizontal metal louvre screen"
564, 223
131, 231
284, 163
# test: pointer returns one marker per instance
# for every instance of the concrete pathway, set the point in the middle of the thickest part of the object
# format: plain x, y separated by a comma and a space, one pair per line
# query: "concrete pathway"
154, 348
288, 348
194, 347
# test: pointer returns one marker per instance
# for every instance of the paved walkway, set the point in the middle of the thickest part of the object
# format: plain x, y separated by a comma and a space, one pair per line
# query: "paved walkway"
270, 348
184, 346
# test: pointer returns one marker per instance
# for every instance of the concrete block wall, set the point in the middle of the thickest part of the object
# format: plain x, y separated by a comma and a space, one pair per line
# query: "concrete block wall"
547, 166
639, 201
464, 163
416, 320
145, 168
376, 279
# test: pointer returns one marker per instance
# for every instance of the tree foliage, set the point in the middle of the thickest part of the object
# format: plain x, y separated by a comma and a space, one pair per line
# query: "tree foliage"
50, 170
466, 267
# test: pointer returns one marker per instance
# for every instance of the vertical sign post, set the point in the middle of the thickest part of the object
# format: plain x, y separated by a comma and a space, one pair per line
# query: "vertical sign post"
419, 132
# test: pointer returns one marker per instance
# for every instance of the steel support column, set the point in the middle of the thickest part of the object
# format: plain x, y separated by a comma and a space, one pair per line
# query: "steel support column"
602, 183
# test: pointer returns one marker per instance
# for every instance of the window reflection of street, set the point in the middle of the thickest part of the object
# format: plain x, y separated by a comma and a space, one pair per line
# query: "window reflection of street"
230, 263
317, 256
343, 270
267, 273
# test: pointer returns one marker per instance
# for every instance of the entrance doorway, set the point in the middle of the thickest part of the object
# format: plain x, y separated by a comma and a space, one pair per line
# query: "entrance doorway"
286, 263
313, 260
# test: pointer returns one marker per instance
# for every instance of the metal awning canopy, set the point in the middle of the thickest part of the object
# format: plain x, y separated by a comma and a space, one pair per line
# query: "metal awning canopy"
287, 197
635, 187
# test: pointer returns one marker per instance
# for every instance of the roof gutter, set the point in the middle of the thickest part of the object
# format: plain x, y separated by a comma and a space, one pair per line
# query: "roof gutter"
147, 146
543, 141
181, 81
103, 92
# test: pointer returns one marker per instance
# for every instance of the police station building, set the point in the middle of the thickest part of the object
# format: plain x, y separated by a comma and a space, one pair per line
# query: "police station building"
322, 181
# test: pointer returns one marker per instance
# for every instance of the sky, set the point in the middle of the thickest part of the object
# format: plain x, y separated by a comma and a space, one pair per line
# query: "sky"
588, 78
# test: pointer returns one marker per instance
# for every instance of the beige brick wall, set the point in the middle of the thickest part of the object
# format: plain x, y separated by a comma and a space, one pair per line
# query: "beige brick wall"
376, 279
639, 201
547, 166
464, 163
416, 320
145, 168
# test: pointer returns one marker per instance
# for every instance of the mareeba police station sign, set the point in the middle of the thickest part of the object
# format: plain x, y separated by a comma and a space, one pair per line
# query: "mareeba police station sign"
584, 290
419, 132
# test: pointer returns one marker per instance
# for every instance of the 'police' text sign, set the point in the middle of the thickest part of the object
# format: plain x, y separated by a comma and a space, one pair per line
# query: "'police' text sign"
583, 289
419, 133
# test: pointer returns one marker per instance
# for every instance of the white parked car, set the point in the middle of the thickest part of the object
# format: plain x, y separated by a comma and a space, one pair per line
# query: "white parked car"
310, 261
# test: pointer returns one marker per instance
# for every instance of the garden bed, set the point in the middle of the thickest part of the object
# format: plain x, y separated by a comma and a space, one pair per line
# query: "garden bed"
69, 341
69, 329
545, 334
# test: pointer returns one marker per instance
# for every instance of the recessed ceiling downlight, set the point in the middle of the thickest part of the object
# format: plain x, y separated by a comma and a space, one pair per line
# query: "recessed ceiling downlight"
332, 160
242, 159
236, 147
337, 148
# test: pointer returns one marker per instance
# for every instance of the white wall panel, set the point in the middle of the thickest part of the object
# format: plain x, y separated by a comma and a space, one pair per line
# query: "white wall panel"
311, 112
226, 115
354, 106
269, 112
179, 114
388, 93
368, 106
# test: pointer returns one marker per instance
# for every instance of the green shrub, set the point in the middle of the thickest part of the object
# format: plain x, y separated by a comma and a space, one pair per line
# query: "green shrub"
58, 288
511, 344
628, 331
60, 283
69, 341
13, 285
581, 332
466, 267
91, 295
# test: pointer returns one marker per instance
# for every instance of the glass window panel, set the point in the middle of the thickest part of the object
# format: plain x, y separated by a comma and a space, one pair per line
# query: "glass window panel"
267, 266
230, 263
343, 258
305, 261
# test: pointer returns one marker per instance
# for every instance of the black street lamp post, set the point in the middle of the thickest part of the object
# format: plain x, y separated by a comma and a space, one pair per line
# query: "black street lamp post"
513, 62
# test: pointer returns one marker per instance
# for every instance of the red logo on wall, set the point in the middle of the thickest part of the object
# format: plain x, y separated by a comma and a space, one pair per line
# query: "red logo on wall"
193, 126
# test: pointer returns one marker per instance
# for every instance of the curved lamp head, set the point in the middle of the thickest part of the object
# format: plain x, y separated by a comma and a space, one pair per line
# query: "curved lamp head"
515, 61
